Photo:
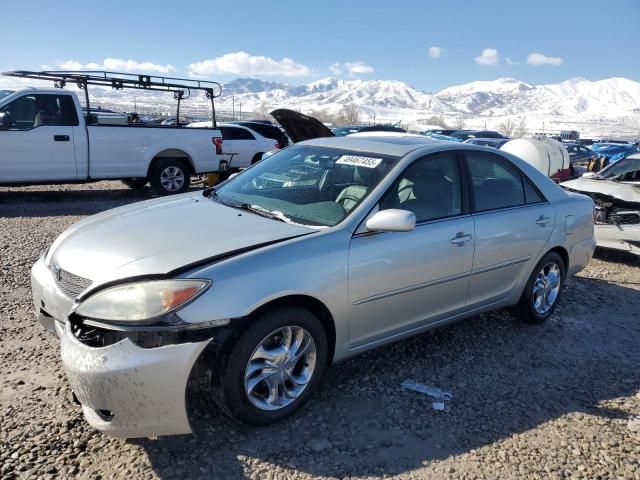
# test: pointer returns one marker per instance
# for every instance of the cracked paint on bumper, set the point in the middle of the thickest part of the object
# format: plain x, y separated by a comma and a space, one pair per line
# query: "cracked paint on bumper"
144, 389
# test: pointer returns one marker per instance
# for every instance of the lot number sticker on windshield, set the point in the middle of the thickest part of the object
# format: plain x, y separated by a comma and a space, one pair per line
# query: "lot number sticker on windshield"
367, 162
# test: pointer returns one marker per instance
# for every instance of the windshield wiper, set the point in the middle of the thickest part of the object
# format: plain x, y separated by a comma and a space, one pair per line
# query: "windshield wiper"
258, 211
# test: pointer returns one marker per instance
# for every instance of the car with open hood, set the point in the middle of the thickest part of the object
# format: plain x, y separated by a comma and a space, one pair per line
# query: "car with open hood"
616, 192
327, 249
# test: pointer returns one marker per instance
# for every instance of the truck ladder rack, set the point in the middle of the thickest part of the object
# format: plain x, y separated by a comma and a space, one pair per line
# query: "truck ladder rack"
120, 80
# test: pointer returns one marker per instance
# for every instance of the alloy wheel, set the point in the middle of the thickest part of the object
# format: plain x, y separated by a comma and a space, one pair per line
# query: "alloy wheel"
546, 288
172, 179
280, 368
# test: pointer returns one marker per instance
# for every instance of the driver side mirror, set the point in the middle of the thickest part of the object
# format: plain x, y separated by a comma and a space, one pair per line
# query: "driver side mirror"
6, 121
392, 220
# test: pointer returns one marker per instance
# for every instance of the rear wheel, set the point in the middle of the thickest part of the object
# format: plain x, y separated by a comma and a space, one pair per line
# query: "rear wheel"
256, 158
135, 183
543, 290
170, 176
273, 368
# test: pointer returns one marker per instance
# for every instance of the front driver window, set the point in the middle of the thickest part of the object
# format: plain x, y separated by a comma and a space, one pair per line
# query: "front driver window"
430, 188
31, 111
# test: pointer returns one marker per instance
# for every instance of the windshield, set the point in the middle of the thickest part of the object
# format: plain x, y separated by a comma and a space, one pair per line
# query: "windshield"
4, 93
306, 185
626, 169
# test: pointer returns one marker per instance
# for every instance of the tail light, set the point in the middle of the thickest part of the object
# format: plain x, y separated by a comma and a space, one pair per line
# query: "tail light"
217, 141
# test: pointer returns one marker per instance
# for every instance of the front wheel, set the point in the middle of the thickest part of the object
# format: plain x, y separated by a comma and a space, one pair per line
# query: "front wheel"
273, 368
543, 290
170, 176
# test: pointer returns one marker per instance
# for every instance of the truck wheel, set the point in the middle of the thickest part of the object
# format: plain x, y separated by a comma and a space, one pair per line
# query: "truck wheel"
170, 176
273, 368
135, 183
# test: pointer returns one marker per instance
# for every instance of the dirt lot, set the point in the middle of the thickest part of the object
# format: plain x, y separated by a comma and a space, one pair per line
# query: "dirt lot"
559, 400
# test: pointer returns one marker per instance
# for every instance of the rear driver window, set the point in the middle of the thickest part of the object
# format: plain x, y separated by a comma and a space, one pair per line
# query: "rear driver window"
233, 133
496, 184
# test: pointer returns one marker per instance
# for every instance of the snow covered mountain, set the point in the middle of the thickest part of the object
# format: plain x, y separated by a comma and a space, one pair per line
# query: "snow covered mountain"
610, 105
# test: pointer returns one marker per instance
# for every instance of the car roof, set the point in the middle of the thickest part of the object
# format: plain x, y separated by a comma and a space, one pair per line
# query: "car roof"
394, 145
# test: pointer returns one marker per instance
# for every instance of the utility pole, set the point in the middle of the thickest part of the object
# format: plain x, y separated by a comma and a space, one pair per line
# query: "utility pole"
240, 104
135, 104
233, 106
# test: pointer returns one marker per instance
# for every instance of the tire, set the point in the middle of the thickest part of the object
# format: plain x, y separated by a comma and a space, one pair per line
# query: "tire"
170, 176
536, 306
231, 379
257, 157
135, 183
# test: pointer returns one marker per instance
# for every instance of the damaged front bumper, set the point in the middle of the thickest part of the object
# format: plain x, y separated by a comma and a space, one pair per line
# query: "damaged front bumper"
125, 389
129, 391
618, 237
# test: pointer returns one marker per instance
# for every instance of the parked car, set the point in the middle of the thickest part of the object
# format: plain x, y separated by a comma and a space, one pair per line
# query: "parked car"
171, 122
244, 142
346, 130
579, 153
440, 131
44, 137
467, 134
4, 93
351, 129
328, 248
267, 130
487, 142
616, 191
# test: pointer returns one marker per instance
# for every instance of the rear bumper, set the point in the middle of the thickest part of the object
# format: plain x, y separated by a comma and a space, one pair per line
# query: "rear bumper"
580, 254
619, 237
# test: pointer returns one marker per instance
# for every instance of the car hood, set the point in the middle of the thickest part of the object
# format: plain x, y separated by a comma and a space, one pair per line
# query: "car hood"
627, 192
300, 127
161, 236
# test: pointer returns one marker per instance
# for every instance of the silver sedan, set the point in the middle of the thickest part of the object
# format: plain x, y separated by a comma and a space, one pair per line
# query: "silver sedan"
329, 248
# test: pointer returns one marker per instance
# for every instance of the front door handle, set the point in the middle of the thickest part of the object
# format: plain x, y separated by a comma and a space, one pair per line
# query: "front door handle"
61, 138
461, 238
542, 220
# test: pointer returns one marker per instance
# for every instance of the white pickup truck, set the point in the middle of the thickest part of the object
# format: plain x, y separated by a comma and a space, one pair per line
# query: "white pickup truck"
45, 138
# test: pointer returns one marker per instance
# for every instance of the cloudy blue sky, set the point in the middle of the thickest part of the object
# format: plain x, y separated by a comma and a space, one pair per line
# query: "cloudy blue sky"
430, 45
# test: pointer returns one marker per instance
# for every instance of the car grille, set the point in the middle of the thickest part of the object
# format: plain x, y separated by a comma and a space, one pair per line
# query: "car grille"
71, 285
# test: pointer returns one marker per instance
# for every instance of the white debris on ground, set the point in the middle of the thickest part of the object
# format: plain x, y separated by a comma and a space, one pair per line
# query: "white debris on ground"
432, 392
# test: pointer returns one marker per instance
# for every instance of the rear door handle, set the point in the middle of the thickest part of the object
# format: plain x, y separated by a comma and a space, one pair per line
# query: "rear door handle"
542, 220
461, 238
61, 138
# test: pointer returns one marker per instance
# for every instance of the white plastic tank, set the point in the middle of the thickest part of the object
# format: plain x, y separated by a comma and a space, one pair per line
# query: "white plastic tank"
547, 155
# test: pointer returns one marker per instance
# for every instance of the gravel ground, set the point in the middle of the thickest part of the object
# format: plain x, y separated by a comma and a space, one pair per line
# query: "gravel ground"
559, 400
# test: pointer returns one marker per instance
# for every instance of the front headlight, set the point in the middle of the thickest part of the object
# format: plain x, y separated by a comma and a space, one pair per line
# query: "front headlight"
140, 302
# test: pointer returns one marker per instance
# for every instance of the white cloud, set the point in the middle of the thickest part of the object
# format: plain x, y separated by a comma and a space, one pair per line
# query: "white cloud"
241, 63
351, 68
117, 64
335, 68
489, 56
540, 59
356, 68
435, 51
